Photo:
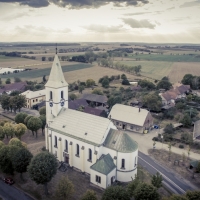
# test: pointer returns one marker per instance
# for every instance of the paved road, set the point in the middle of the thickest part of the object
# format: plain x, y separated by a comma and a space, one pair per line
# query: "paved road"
8, 192
176, 184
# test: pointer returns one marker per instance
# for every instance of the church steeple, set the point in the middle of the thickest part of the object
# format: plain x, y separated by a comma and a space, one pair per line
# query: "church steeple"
56, 90
56, 77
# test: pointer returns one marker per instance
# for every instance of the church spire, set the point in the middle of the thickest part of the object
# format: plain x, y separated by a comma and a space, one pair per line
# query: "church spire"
56, 78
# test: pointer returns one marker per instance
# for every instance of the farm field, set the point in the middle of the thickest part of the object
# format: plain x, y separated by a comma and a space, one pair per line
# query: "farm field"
167, 57
178, 70
39, 73
94, 73
152, 69
10, 59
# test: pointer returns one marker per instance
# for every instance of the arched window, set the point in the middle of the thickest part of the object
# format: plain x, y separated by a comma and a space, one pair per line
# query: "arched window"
62, 94
51, 95
66, 145
55, 144
90, 155
123, 163
77, 150
135, 161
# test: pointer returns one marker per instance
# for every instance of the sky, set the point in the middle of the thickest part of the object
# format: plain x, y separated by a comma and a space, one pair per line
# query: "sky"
151, 21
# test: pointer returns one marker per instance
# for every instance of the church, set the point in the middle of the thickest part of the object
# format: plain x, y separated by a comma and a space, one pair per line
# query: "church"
88, 143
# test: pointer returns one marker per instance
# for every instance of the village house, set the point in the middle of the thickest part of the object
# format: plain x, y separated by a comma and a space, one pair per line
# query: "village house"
8, 88
131, 118
97, 100
87, 143
34, 97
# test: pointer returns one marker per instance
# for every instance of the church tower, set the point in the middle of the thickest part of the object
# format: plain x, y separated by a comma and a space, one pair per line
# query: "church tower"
56, 90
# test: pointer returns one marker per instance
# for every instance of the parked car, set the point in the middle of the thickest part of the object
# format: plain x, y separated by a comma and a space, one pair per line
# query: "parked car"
8, 180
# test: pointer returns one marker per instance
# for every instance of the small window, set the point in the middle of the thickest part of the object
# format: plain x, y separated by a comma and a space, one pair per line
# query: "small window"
123, 163
36, 100
98, 179
66, 145
117, 123
77, 150
33, 100
51, 95
132, 127
62, 96
55, 141
90, 155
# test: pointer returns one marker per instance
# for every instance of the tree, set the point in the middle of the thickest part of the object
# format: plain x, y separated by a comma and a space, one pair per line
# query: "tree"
16, 142
42, 168
2, 134
165, 78
105, 83
133, 185
146, 191
8, 129
21, 160
193, 195
64, 189
186, 121
19, 118
34, 124
72, 97
91, 60
90, 82
20, 129
152, 102
113, 100
15, 92
97, 91
187, 79
163, 84
18, 102
5, 161
115, 192
125, 82
43, 119
169, 128
1, 144
89, 195
177, 197
81, 88
17, 79
5, 101
186, 138
156, 180
42, 110
123, 76
146, 84
26, 119
8, 81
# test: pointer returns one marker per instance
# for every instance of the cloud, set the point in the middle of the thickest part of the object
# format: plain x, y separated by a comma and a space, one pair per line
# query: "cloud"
77, 4
137, 13
104, 29
14, 16
190, 4
133, 23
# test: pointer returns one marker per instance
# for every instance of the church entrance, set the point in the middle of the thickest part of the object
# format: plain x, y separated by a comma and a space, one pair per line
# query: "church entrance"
67, 158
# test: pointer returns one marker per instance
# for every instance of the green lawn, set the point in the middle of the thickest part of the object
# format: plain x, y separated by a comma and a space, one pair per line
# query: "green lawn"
36, 73
152, 69
167, 57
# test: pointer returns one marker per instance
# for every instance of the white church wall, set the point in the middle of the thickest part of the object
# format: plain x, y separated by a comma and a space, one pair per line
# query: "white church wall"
109, 176
93, 175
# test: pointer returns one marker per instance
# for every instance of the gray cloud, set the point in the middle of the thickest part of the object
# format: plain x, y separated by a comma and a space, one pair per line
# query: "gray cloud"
104, 29
14, 16
190, 4
76, 4
133, 23
137, 13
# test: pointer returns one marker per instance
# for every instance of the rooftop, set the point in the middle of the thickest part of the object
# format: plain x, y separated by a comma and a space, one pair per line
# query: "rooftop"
19, 86
95, 98
128, 114
34, 94
120, 141
82, 126
104, 165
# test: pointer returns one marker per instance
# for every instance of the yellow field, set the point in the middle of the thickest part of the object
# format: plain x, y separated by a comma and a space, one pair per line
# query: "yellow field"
180, 69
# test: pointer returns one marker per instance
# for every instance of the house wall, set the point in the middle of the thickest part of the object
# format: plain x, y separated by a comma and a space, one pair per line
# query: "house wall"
31, 102
109, 176
93, 179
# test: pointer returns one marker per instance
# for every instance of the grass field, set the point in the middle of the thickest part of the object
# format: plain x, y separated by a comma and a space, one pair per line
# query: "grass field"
152, 69
36, 73
167, 57
8, 59
178, 70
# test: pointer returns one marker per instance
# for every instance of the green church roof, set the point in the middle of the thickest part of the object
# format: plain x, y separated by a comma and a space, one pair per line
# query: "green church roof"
120, 141
104, 165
